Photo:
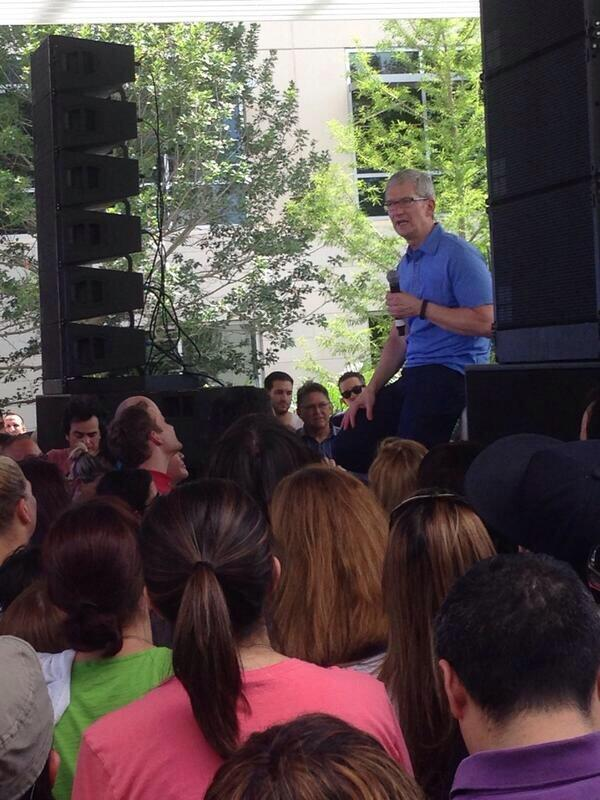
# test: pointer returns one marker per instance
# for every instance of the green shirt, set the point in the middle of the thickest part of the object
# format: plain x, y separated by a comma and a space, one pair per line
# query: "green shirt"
98, 687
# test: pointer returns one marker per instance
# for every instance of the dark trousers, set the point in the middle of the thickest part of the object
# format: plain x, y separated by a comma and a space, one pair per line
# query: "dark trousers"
424, 405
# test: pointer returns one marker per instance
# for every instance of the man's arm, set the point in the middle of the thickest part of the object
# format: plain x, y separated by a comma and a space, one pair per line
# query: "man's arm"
465, 321
392, 358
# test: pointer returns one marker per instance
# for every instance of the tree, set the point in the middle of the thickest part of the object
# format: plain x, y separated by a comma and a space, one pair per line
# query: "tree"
221, 153
433, 121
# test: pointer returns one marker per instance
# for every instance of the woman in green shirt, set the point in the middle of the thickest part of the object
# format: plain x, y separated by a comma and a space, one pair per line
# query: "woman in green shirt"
95, 577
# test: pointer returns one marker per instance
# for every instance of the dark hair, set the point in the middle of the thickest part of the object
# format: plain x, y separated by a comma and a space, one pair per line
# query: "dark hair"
32, 617
347, 375
94, 572
128, 435
7, 440
257, 452
277, 376
308, 388
17, 572
130, 485
49, 487
208, 567
79, 409
314, 757
445, 466
522, 633
12, 414
235, 402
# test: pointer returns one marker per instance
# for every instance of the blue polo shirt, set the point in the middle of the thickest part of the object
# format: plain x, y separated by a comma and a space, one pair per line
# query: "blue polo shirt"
448, 271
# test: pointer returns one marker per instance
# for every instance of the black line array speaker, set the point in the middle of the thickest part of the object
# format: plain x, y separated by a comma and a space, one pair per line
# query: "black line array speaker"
81, 123
503, 399
541, 86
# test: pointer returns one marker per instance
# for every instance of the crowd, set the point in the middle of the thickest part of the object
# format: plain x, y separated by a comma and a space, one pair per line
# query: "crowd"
331, 609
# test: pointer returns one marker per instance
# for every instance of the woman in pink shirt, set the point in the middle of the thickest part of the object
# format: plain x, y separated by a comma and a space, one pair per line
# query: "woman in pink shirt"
209, 568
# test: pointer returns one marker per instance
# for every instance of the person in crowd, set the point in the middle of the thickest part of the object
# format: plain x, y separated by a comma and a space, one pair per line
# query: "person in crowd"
350, 385
434, 539
393, 475
18, 508
233, 403
133, 486
445, 466
257, 452
314, 409
140, 437
19, 446
27, 763
314, 757
209, 568
590, 420
13, 423
32, 617
83, 426
17, 572
445, 301
86, 472
540, 494
51, 492
330, 536
280, 387
518, 638
95, 577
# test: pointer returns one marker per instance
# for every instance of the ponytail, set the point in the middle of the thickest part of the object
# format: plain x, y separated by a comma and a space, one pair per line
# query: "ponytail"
208, 566
205, 658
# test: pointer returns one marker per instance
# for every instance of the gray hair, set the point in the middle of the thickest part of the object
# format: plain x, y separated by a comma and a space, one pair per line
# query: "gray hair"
422, 181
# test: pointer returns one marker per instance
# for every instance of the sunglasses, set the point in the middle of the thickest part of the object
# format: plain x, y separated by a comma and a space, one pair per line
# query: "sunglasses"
356, 390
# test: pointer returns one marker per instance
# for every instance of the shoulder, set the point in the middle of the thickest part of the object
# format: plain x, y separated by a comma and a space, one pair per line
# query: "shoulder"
455, 246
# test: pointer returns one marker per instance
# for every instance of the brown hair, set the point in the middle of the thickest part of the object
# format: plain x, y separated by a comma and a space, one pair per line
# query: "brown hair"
94, 572
208, 566
128, 435
434, 539
32, 617
393, 473
331, 536
314, 757
12, 488
49, 487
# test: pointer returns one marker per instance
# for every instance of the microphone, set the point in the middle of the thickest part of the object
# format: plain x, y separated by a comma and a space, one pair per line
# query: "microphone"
392, 279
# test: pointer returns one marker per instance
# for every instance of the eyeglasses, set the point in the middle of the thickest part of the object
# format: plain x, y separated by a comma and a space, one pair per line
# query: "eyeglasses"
356, 390
417, 498
316, 407
402, 202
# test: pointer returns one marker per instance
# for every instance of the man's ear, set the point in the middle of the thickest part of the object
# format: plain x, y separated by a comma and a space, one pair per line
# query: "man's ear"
53, 766
276, 571
156, 438
455, 691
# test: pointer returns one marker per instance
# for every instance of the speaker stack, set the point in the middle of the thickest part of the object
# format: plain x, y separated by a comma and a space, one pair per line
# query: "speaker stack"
541, 84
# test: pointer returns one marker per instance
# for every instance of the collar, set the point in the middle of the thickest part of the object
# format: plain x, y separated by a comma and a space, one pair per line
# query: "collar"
553, 763
333, 431
162, 481
429, 246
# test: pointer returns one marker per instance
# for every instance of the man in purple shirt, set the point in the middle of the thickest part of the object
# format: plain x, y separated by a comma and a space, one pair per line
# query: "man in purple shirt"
518, 639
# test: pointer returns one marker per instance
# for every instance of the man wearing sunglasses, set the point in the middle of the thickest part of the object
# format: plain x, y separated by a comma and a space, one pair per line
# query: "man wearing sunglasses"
444, 307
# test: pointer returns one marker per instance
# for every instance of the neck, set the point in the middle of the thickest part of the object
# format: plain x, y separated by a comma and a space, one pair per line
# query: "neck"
256, 651
11, 540
137, 636
417, 240
158, 461
531, 728
320, 434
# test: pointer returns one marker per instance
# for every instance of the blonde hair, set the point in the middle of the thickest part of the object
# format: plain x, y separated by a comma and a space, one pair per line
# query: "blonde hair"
393, 473
13, 487
434, 539
330, 536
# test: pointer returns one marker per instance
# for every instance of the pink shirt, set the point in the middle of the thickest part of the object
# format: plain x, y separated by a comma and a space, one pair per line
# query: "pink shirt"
154, 750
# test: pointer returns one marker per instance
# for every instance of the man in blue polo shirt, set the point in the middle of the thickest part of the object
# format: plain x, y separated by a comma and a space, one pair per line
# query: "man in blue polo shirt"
445, 301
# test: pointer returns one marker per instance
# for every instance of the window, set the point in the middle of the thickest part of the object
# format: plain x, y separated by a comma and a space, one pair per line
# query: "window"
406, 104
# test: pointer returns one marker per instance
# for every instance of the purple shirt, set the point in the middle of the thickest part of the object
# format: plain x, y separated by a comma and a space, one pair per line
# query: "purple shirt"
565, 770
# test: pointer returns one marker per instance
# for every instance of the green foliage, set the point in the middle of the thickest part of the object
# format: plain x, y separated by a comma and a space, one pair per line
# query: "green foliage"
231, 157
